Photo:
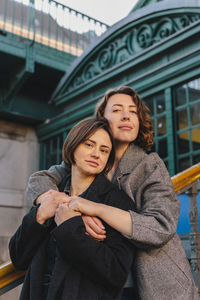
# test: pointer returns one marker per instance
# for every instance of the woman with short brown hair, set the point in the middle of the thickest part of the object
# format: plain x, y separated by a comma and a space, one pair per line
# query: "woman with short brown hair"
62, 262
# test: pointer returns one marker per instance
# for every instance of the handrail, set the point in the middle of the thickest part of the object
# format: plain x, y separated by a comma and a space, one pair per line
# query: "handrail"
10, 276
185, 178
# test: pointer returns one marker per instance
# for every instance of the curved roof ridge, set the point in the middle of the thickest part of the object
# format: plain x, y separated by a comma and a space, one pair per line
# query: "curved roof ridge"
109, 34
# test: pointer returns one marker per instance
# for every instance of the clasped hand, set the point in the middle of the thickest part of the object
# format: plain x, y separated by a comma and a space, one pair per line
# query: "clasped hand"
62, 207
54, 204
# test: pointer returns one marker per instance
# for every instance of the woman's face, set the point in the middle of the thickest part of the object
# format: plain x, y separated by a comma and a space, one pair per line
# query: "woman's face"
92, 155
121, 113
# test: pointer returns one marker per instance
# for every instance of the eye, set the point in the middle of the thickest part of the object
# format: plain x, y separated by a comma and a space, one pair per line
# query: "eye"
116, 110
88, 144
105, 151
133, 112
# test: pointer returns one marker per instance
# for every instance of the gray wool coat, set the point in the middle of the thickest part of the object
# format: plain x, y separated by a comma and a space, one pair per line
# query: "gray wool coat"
161, 270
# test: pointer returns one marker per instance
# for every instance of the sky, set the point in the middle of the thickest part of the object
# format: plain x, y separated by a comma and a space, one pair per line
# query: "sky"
106, 11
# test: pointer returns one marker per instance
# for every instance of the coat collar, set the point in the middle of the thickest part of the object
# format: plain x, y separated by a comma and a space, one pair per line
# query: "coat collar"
100, 186
129, 161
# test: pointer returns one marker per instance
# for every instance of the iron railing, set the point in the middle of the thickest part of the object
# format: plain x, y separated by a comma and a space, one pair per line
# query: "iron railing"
186, 181
50, 23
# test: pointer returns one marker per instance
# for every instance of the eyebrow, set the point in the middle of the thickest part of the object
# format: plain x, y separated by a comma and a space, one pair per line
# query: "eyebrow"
95, 143
132, 105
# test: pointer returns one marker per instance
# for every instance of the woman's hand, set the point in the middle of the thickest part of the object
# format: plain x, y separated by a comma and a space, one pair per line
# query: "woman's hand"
64, 213
52, 195
94, 228
84, 206
93, 225
49, 202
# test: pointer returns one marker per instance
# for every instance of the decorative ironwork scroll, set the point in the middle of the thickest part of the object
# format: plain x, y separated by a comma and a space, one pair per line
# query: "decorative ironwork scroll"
129, 43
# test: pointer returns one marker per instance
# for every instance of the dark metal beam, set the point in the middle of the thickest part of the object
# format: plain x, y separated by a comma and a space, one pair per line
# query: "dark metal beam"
20, 77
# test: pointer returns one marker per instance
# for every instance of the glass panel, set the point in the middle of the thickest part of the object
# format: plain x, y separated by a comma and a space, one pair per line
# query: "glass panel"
181, 117
183, 142
196, 159
161, 125
194, 90
61, 142
195, 113
162, 148
160, 103
180, 95
153, 148
196, 139
184, 163
54, 152
48, 158
166, 163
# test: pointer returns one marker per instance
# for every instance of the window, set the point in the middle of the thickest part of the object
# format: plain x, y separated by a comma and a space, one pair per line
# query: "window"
157, 106
187, 124
51, 151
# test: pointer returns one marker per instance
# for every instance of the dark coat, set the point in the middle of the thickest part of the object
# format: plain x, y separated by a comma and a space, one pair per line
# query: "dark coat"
84, 268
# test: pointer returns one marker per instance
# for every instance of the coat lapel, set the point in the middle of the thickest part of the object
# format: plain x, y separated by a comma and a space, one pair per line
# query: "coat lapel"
129, 161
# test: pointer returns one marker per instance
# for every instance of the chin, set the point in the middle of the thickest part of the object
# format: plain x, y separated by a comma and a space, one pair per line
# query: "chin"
92, 173
126, 141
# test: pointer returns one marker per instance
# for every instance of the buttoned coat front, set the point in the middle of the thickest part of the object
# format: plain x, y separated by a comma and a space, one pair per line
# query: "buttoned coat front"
161, 270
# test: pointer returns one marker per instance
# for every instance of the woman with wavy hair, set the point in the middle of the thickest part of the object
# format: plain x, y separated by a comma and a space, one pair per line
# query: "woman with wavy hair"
161, 270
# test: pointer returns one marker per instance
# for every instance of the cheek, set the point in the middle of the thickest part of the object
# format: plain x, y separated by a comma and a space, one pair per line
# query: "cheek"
104, 161
111, 122
137, 123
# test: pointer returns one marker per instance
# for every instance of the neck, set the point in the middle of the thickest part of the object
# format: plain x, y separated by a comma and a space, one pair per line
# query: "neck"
79, 182
120, 149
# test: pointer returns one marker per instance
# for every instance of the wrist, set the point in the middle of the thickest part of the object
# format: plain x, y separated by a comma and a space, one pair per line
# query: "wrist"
100, 210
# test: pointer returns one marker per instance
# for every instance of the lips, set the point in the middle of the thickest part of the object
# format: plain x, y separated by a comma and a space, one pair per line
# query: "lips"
125, 127
92, 163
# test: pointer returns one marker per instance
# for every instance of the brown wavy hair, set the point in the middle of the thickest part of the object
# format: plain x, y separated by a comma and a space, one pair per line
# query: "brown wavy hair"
145, 134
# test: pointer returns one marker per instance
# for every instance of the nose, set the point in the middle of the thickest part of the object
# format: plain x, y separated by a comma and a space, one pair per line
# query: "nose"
95, 153
125, 116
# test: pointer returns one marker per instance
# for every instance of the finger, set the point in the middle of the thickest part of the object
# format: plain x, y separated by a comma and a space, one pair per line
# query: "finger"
95, 227
64, 201
73, 204
95, 235
91, 226
98, 222
99, 240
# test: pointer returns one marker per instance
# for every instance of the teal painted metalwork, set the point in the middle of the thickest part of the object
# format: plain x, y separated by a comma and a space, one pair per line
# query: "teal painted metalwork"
122, 48
170, 131
187, 120
157, 105
162, 51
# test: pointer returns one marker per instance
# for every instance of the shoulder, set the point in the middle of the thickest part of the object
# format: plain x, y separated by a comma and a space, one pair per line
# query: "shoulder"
151, 171
153, 163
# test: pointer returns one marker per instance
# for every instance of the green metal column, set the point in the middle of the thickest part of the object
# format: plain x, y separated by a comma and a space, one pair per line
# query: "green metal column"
169, 124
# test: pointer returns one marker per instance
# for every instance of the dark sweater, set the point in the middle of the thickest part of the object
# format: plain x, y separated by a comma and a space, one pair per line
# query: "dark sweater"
84, 268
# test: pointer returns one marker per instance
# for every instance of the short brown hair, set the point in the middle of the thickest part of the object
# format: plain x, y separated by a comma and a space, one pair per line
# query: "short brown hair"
145, 134
80, 133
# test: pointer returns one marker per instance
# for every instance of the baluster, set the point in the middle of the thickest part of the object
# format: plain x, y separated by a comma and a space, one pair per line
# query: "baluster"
194, 234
